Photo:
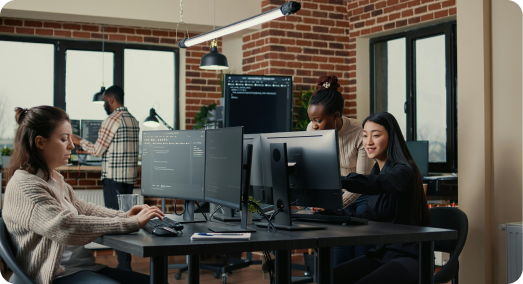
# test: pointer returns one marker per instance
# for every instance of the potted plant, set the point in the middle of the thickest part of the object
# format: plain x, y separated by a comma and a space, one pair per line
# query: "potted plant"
301, 116
251, 209
203, 116
6, 153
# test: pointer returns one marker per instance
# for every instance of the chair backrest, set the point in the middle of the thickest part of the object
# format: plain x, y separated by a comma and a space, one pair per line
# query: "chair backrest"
454, 219
6, 252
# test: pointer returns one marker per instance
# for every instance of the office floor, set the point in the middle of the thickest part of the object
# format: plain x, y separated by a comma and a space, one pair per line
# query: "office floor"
250, 275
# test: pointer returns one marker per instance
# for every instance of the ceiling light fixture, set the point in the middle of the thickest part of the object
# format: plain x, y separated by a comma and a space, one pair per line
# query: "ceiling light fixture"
214, 60
285, 10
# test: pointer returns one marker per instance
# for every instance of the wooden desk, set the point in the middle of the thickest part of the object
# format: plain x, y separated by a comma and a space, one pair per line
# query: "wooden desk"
158, 249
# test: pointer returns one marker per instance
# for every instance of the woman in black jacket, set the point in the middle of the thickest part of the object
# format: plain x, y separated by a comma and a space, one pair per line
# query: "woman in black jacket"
395, 196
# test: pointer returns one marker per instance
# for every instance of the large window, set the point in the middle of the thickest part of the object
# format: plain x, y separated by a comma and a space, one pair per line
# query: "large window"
67, 73
413, 76
26, 80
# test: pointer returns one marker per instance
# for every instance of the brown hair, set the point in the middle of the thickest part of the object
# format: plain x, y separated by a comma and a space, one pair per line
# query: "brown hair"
33, 122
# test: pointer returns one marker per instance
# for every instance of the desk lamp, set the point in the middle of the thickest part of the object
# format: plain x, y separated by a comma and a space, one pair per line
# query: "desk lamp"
152, 121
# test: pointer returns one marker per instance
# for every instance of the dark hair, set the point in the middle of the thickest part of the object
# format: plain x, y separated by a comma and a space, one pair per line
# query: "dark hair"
328, 96
116, 92
397, 152
33, 122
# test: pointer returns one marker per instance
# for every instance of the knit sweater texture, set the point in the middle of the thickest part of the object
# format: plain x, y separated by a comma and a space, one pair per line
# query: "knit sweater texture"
40, 229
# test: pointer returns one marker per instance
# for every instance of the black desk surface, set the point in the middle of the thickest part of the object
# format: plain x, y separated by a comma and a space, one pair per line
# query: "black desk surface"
144, 245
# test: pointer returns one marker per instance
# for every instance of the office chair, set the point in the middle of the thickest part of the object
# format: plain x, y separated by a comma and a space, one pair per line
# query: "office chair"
454, 219
6, 252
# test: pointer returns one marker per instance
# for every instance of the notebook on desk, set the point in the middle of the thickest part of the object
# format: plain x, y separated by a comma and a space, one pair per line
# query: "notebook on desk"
221, 236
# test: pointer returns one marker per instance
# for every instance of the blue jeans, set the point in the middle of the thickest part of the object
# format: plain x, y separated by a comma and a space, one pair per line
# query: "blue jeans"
344, 254
106, 275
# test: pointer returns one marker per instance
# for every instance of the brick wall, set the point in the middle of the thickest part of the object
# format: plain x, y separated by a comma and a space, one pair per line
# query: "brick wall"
202, 86
311, 43
368, 17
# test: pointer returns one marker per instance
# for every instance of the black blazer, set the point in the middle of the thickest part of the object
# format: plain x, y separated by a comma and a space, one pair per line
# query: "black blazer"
390, 200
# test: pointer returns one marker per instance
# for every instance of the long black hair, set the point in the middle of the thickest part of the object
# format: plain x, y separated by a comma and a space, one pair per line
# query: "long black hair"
328, 96
397, 152
33, 122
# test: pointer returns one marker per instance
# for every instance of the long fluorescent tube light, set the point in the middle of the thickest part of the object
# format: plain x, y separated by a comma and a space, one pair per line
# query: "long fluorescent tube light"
285, 10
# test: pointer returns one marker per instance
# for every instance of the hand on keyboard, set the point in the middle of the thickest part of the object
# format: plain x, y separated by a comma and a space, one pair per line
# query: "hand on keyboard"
147, 214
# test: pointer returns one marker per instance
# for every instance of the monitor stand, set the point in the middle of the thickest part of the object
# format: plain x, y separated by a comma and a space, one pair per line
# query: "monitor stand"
230, 216
281, 190
244, 204
188, 216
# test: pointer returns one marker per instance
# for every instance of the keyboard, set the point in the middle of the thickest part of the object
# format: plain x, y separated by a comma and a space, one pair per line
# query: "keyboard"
167, 227
308, 215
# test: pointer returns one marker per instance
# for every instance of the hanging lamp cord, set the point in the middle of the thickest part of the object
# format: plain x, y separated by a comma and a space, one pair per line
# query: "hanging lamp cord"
103, 54
181, 21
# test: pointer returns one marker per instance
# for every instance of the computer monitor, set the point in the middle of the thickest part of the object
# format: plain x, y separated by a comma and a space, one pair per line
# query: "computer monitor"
315, 179
224, 166
419, 150
90, 130
261, 104
76, 127
173, 166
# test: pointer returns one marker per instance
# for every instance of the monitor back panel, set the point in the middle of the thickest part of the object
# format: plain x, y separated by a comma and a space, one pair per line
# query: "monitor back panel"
420, 153
224, 166
173, 164
316, 177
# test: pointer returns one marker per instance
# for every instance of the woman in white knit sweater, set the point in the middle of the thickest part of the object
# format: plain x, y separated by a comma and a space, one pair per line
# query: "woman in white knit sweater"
48, 225
326, 112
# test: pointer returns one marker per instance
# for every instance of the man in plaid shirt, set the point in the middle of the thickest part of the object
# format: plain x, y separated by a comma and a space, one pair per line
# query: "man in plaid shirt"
117, 143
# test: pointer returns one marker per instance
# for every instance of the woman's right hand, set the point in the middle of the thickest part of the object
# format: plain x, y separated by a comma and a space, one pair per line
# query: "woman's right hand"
147, 214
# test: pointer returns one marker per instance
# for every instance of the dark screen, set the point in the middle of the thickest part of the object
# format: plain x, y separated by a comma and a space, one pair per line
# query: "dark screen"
173, 164
419, 150
223, 166
261, 104
90, 130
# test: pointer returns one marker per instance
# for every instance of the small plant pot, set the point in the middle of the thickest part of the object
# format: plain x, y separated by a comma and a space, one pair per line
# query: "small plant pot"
5, 161
222, 101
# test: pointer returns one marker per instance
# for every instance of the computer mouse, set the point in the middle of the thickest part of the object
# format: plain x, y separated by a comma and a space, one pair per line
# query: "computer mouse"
165, 232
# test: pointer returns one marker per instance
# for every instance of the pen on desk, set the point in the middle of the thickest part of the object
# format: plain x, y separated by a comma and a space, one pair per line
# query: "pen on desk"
217, 234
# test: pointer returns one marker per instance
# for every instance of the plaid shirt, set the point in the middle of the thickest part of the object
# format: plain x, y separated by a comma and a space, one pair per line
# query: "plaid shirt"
117, 143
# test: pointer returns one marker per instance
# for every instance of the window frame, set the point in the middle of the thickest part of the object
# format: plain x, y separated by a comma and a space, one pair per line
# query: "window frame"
449, 30
62, 45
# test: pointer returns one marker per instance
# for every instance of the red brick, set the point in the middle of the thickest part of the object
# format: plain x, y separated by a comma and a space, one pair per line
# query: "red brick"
426, 1
376, 29
310, 21
427, 17
7, 29
394, 16
382, 19
25, 31
10, 22
168, 40
81, 34
389, 26
72, 27
99, 36
414, 20
401, 23
134, 38
303, 28
91, 28
359, 25
87, 182
452, 11
420, 10
117, 37
441, 14
448, 3
33, 24
370, 22
365, 16
381, 4
414, 3
160, 33
111, 29
358, 11
52, 25
127, 31
143, 32
151, 39
368, 8
407, 13
435, 6
392, 2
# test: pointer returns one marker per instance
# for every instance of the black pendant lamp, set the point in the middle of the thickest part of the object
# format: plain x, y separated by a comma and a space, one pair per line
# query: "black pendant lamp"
97, 98
214, 60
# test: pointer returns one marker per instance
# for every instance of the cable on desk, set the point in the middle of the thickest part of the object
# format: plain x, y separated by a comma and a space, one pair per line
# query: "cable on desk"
216, 209
268, 266
184, 208
296, 201
270, 226
201, 211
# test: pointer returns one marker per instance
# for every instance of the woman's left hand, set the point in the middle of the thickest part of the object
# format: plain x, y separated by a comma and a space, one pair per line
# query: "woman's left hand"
136, 209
